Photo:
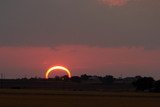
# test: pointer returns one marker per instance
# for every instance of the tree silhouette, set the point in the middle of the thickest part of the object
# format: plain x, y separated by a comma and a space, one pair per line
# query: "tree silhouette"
145, 83
85, 77
157, 86
108, 79
76, 79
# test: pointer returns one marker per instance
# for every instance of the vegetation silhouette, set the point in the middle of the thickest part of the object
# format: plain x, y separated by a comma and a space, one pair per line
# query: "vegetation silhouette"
85, 82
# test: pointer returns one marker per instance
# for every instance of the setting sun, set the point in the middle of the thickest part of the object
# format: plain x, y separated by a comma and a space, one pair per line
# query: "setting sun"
58, 68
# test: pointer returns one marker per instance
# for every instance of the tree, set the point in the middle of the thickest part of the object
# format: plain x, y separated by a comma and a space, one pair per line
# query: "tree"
65, 78
85, 77
57, 78
108, 79
76, 79
157, 86
145, 83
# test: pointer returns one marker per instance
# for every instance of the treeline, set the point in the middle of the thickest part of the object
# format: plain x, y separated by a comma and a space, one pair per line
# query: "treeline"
147, 84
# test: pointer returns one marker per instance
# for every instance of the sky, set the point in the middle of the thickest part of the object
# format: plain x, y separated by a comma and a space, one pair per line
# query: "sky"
96, 37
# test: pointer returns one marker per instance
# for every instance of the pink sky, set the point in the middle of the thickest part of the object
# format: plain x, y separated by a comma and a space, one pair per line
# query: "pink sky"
80, 59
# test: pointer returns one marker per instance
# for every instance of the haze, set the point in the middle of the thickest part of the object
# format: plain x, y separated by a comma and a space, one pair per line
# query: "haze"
97, 37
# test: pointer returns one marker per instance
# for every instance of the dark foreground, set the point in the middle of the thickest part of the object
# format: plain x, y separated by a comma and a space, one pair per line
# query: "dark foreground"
50, 98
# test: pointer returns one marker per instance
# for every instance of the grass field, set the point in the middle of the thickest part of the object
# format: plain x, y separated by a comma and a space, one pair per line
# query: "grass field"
50, 98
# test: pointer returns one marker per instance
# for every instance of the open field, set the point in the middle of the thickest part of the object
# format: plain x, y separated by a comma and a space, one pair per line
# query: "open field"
50, 98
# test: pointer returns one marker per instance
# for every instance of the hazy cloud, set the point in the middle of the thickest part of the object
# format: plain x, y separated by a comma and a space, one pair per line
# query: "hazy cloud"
86, 22
114, 2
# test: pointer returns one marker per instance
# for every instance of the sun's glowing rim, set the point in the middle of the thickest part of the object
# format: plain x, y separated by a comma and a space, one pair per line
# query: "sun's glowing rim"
57, 68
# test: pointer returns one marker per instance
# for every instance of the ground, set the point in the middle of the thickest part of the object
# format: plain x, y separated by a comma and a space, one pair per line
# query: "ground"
52, 98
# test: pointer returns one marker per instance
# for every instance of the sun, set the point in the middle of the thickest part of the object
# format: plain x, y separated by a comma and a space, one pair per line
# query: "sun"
57, 68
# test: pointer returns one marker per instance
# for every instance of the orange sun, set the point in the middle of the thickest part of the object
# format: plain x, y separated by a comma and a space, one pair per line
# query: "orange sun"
58, 68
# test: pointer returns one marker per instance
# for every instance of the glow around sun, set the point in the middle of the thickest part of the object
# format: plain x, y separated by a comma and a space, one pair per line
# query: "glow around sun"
57, 68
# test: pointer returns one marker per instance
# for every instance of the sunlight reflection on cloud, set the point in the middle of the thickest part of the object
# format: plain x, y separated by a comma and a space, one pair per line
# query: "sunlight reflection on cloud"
115, 2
